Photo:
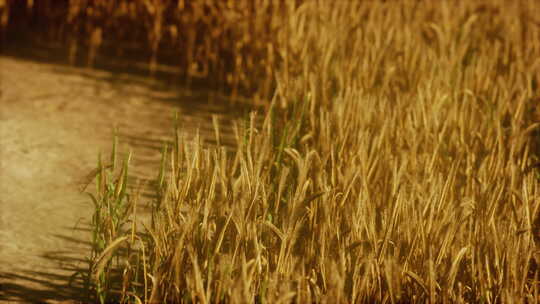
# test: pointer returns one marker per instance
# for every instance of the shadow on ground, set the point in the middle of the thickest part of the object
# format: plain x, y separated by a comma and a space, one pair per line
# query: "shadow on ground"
43, 286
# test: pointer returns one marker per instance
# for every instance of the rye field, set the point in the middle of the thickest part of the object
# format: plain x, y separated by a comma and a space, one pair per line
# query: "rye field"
394, 157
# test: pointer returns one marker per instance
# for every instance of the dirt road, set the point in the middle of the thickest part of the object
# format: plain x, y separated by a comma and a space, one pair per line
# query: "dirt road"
54, 119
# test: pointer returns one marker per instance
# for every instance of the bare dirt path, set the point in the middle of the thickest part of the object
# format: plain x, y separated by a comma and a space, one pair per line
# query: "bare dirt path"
54, 120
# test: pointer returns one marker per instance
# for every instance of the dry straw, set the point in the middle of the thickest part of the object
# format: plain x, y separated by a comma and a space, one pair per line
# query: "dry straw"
396, 162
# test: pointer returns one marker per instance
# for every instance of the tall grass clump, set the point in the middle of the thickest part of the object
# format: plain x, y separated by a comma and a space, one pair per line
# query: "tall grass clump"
397, 162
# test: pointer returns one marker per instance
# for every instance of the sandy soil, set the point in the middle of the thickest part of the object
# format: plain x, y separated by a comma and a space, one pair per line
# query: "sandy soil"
54, 119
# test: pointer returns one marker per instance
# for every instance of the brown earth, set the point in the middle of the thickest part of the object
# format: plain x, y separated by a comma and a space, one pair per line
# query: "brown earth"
54, 119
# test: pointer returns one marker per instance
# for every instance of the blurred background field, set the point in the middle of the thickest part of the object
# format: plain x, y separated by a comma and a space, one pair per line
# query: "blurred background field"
391, 156
252, 45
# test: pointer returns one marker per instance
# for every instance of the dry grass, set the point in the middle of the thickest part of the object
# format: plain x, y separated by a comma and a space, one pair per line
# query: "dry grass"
397, 163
